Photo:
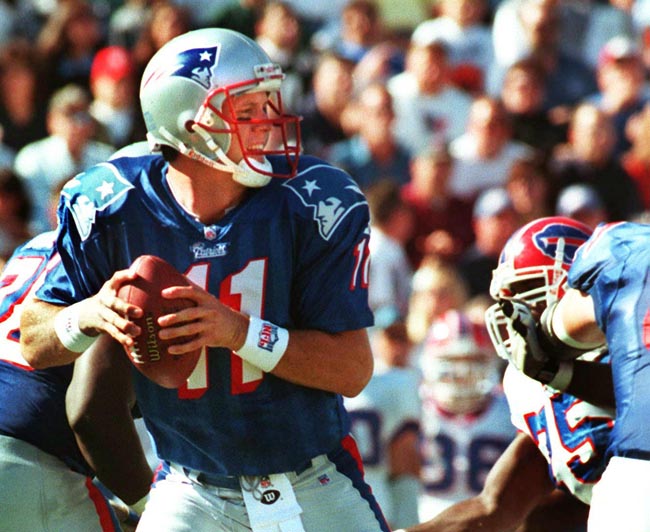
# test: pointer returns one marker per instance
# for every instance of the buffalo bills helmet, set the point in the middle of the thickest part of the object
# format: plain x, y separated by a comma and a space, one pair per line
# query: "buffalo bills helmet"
186, 97
459, 367
533, 267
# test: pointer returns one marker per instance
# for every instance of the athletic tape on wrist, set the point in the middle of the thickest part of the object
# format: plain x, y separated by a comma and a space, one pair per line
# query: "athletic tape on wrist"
549, 341
563, 376
265, 344
66, 326
560, 332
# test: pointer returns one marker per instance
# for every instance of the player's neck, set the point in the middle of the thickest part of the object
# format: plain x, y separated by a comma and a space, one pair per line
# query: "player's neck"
205, 193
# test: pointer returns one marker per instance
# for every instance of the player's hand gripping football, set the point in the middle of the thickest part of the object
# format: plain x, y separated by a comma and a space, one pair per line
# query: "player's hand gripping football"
528, 351
106, 313
209, 323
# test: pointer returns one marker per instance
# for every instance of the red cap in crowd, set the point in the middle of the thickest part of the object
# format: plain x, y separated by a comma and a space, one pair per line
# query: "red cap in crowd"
114, 62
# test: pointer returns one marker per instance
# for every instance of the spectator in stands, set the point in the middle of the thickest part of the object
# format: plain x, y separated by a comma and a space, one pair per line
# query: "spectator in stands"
531, 190
582, 202
359, 30
460, 27
391, 227
15, 213
429, 109
636, 160
332, 88
167, 20
127, 21
240, 16
113, 87
437, 287
531, 28
442, 221
68, 42
23, 94
67, 150
523, 96
588, 157
372, 152
279, 34
484, 154
622, 89
494, 219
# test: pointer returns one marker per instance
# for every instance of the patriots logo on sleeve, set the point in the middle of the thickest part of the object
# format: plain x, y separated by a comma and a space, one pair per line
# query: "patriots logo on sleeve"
197, 65
547, 240
328, 210
91, 192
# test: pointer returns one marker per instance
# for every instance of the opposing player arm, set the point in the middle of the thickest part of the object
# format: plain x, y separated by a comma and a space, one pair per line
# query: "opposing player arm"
546, 350
573, 321
99, 402
516, 484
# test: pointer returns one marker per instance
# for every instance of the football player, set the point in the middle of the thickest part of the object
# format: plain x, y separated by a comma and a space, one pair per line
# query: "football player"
465, 421
608, 300
45, 482
386, 421
276, 245
562, 439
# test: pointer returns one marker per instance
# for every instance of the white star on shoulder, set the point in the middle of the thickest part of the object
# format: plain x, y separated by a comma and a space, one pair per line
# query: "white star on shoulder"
205, 56
105, 189
310, 186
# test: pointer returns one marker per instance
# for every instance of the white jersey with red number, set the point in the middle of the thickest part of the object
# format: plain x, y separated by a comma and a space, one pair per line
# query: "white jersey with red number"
459, 451
570, 433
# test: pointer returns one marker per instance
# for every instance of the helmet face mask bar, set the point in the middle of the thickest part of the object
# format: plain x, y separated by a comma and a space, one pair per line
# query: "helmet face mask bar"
218, 110
533, 268
187, 94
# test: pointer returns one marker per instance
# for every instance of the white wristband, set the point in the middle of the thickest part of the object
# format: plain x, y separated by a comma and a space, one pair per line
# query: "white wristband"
560, 332
265, 344
66, 326
563, 376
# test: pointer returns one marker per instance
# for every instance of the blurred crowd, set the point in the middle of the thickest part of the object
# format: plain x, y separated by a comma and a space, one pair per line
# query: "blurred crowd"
462, 120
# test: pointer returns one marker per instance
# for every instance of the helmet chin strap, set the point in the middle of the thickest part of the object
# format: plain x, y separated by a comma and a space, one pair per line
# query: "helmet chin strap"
242, 173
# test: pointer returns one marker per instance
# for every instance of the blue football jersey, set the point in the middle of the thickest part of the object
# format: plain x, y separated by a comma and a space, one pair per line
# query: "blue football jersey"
294, 252
613, 268
32, 402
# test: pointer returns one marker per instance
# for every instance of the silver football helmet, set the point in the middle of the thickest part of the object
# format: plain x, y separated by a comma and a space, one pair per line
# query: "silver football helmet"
185, 91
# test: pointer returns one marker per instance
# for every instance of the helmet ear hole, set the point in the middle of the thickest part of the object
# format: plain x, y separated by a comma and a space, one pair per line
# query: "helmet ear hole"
189, 126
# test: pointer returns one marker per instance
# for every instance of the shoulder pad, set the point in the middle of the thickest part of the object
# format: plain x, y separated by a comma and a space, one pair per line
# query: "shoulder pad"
328, 194
92, 192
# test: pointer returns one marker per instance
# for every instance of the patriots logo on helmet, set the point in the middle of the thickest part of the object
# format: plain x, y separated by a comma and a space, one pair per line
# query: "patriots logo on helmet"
329, 210
196, 64
547, 240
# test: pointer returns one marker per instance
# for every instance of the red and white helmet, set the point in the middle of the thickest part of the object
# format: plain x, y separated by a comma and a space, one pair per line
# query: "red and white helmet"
533, 267
458, 364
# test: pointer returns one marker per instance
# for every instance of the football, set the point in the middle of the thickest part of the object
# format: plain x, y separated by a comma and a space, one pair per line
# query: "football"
150, 354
